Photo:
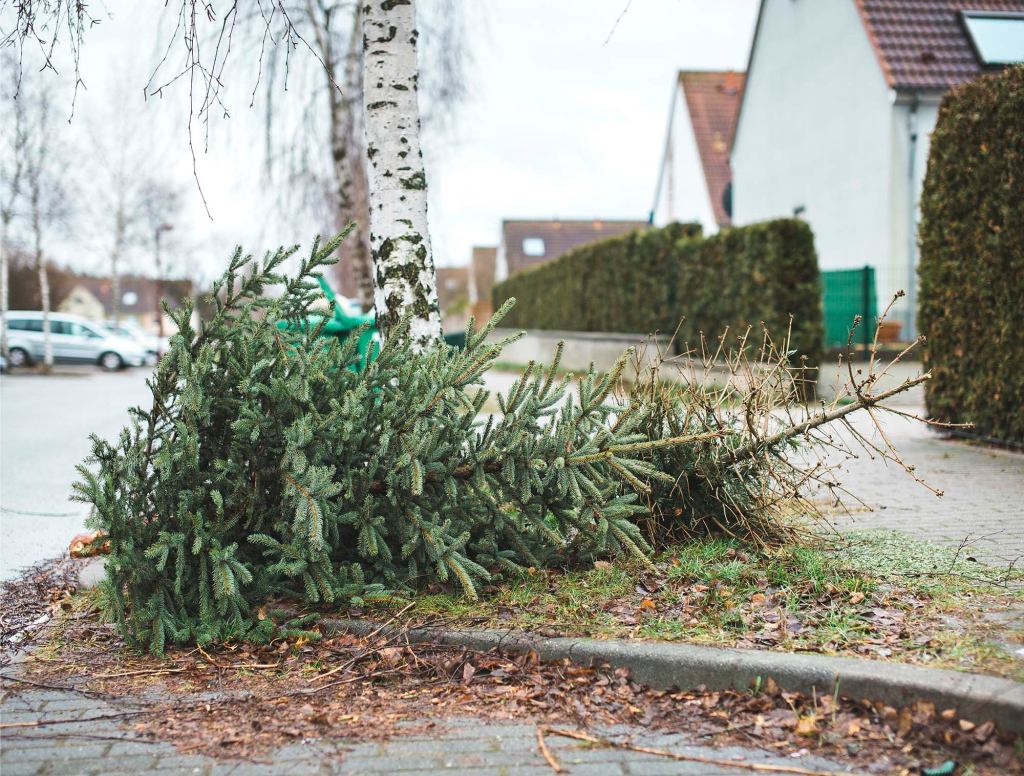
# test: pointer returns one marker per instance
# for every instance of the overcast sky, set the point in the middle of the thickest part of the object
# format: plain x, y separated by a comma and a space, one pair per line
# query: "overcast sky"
558, 123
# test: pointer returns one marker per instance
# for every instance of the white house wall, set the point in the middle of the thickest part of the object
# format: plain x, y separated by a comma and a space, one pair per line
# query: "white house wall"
898, 275
688, 200
814, 131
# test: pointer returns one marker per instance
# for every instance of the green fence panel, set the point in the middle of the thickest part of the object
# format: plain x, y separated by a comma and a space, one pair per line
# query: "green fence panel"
849, 293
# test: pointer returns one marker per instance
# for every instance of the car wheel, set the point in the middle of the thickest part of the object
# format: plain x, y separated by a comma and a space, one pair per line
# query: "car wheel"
111, 361
18, 357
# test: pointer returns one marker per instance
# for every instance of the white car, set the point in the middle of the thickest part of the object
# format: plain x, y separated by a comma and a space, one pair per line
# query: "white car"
74, 340
154, 346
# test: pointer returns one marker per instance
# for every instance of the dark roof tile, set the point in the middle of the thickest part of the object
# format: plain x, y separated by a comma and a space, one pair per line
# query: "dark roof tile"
558, 237
713, 101
922, 44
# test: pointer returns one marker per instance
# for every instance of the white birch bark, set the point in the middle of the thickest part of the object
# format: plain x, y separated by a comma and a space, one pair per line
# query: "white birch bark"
399, 238
120, 234
44, 295
11, 176
44, 278
5, 299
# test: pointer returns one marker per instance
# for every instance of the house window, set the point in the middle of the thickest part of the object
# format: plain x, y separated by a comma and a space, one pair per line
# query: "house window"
998, 38
533, 246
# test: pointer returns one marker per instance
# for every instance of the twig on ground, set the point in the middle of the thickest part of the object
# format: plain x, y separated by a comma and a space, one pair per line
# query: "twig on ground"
550, 758
89, 736
62, 687
145, 672
45, 722
693, 758
349, 680
386, 623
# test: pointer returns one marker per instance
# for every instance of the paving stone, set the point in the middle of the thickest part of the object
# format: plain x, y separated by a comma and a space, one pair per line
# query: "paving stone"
982, 491
389, 764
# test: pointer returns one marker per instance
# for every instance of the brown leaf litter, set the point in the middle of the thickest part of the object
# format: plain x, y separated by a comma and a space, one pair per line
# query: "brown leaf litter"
242, 701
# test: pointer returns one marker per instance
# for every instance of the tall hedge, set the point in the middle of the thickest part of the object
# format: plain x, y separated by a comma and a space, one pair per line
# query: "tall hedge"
972, 258
649, 280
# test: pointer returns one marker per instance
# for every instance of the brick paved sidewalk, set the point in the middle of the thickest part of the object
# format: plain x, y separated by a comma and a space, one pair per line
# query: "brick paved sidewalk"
983, 486
459, 746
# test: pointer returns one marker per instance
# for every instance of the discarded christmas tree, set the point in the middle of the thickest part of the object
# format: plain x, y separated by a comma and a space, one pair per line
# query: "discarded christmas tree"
267, 467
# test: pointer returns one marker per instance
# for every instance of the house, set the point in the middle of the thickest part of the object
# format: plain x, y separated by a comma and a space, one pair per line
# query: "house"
93, 297
840, 99
81, 301
528, 243
694, 181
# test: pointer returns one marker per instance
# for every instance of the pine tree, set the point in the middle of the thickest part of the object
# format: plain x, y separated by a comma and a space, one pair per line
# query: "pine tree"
268, 464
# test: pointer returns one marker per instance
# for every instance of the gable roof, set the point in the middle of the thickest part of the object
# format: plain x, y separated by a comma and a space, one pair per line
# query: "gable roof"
922, 44
713, 103
558, 237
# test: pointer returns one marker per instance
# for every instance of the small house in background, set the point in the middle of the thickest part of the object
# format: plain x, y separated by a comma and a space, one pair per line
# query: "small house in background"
841, 97
81, 301
694, 181
92, 297
481, 281
528, 243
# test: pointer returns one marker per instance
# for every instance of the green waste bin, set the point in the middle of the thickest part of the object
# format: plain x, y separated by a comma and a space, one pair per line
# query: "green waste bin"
343, 323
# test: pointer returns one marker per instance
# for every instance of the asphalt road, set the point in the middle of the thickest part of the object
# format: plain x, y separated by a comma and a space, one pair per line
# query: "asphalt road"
45, 422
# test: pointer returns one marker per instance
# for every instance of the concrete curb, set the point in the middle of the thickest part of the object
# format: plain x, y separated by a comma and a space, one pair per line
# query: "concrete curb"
665, 665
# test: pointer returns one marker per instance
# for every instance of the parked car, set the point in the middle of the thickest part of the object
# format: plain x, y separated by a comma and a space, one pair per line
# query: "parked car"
154, 346
74, 340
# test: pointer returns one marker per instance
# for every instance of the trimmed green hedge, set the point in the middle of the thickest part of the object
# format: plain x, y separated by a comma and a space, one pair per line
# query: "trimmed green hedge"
972, 258
649, 280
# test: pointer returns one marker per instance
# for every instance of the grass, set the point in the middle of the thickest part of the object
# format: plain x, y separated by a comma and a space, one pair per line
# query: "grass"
876, 594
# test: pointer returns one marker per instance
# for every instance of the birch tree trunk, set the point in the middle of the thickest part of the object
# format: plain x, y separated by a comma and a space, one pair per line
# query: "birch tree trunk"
11, 178
404, 275
346, 146
44, 277
120, 233
4, 284
350, 161
44, 295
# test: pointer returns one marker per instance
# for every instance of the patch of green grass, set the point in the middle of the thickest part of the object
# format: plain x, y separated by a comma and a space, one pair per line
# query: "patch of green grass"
890, 553
878, 595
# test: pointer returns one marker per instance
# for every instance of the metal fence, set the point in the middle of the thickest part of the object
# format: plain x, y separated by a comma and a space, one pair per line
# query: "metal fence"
849, 293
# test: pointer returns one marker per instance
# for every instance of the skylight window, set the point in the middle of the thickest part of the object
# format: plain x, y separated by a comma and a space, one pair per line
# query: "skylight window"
533, 246
998, 38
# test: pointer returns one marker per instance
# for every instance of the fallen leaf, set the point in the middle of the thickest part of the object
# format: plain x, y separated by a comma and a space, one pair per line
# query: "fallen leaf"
984, 731
906, 723
966, 725
856, 598
391, 655
807, 726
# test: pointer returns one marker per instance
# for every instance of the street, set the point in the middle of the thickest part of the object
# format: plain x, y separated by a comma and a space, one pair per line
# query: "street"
45, 422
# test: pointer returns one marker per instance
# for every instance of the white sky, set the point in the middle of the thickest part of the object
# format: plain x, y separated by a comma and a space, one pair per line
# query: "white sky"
558, 123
